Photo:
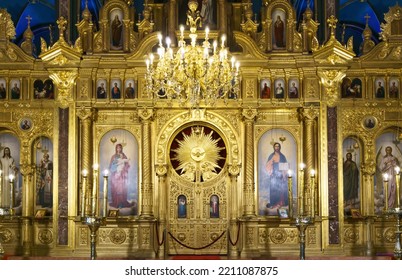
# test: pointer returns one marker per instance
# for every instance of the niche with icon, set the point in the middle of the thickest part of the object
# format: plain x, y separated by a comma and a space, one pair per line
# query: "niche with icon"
118, 153
44, 174
351, 175
388, 157
11, 179
277, 154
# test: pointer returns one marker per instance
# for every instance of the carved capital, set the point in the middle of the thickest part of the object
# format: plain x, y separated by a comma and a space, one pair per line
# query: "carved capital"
309, 114
234, 170
249, 114
27, 169
330, 79
65, 81
368, 168
145, 114
86, 113
161, 170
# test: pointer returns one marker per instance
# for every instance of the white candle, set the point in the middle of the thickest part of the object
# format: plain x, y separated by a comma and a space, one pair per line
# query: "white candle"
105, 191
301, 190
398, 181
1, 188
312, 176
84, 193
290, 195
385, 177
11, 178
160, 39
95, 190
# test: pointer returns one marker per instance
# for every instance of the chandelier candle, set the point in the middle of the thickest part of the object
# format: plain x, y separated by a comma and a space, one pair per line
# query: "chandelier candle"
192, 73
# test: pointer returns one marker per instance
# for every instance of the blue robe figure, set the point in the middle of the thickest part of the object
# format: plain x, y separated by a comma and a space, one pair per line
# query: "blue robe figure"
277, 178
182, 207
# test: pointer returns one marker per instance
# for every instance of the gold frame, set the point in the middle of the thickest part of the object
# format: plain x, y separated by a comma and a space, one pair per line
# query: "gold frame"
113, 213
40, 213
283, 213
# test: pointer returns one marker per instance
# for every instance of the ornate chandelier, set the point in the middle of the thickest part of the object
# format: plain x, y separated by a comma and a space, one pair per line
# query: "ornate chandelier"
193, 73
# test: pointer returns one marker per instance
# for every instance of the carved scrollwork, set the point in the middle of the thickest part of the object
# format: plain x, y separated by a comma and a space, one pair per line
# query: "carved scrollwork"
45, 236
278, 236
351, 235
117, 236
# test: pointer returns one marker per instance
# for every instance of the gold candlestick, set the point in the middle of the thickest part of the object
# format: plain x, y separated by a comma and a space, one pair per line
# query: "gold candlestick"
312, 187
290, 195
398, 179
385, 177
301, 190
95, 191
83, 192
105, 190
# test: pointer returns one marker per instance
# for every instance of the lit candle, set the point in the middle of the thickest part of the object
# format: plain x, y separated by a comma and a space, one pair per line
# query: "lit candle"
181, 31
398, 181
84, 191
312, 176
95, 190
11, 178
301, 190
385, 177
237, 66
1, 188
290, 195
168, 42
147, 63
215, 44
223, 41
160, 39
105, 191
151, 59
206, 33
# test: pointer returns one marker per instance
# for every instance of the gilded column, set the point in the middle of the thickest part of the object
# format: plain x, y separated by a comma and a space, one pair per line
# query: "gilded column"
234, 226
64, 80
172, 20
222, 17
161, 172
86, 116
368, 170
309, 118
249, 185
146, 185
28, 191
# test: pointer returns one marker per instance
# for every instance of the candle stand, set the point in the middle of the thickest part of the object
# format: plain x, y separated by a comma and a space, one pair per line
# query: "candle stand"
302, 222
4, 213
93, 223
397, 213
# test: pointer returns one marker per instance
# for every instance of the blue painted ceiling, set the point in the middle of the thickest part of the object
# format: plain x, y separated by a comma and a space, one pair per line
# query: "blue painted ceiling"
351, 15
